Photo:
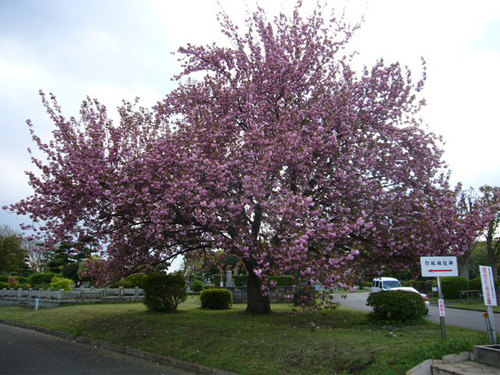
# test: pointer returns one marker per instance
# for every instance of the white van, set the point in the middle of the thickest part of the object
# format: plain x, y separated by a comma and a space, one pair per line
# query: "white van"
385, 283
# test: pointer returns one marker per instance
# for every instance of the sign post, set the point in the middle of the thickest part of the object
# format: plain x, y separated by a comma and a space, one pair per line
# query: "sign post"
490, 300
437, 267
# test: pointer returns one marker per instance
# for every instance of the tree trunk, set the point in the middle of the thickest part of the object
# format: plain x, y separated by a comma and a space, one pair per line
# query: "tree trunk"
257, 303
463, 263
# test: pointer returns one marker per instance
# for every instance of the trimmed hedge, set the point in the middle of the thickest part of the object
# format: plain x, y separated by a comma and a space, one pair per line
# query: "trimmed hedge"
452, 286
399, 306
163, 292
216, 299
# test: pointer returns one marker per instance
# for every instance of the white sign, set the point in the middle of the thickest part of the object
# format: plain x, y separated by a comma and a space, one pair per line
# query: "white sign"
441, 307
439, 266
489, 294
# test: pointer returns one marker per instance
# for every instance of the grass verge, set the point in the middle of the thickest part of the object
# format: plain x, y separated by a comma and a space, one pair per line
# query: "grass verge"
339, 341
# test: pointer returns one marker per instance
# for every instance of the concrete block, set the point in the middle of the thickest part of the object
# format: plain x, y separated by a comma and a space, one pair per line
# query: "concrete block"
487, 354
423, 368
455, 358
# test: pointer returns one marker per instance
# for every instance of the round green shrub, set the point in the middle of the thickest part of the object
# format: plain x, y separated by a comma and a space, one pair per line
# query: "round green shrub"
399, 306
216, 299
59, 282
41, 279
4, 284
197, 286
452, 286
163, 292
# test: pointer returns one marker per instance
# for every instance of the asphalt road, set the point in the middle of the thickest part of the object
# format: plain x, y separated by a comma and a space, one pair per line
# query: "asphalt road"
454, 317
26, 352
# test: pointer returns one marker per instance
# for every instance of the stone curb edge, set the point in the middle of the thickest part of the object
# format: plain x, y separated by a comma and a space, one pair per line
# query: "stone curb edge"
181, 365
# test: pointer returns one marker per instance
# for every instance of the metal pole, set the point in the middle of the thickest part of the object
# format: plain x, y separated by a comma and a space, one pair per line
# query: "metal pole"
441, 318
491, 326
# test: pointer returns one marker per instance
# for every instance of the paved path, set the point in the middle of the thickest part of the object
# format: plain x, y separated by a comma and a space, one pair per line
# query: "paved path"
25, 352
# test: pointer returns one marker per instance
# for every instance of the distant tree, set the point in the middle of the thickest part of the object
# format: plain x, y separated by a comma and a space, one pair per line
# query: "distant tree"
476, 214
491, 198
13, 257
280, 155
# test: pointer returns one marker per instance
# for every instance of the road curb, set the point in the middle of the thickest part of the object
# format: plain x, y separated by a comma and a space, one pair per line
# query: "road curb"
168, 361
460, 308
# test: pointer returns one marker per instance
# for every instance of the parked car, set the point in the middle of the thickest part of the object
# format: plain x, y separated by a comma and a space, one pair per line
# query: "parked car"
413, 290
385, 283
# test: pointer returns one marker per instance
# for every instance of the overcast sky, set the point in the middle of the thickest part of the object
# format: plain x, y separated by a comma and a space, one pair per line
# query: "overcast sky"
120, 49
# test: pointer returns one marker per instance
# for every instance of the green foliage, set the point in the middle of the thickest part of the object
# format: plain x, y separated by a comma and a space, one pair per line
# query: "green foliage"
59, 282
451, 286
164, 292
216, 299
197, 286
399, 306
3, 284
131, 281
13, 256
475, 283
282, 280
70, 271
41, 280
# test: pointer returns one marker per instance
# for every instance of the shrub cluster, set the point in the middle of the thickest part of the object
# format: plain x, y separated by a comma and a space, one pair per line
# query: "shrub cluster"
41, 280
452, 286
59, 282
131, 281
399, 306
164, 292
216, 299
475, 283
197, 286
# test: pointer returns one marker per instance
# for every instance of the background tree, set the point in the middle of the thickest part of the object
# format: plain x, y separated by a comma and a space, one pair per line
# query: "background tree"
491, 199
13, 256
280, 155
477, 214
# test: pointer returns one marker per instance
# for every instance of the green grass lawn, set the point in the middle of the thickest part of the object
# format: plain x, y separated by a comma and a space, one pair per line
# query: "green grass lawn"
339, 341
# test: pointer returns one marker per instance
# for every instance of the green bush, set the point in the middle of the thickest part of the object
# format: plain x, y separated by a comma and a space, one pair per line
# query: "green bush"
131, 281
70, 271
399, 306
475, 284
164, 292
59, 282
197, 286
4, 284
452, 286
41, 279
216, 299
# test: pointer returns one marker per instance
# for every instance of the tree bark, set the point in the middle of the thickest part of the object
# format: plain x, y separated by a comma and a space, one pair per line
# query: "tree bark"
257, 303
463, 263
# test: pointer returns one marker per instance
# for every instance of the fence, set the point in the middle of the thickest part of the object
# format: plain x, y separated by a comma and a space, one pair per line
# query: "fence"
49, 298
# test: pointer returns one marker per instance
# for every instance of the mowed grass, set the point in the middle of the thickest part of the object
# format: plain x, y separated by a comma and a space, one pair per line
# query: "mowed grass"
339, 341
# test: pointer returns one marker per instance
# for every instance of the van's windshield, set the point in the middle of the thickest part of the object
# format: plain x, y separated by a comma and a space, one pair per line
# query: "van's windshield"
389, 284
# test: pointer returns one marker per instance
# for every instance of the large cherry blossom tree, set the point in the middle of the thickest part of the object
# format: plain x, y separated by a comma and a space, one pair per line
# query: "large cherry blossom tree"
275, 151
